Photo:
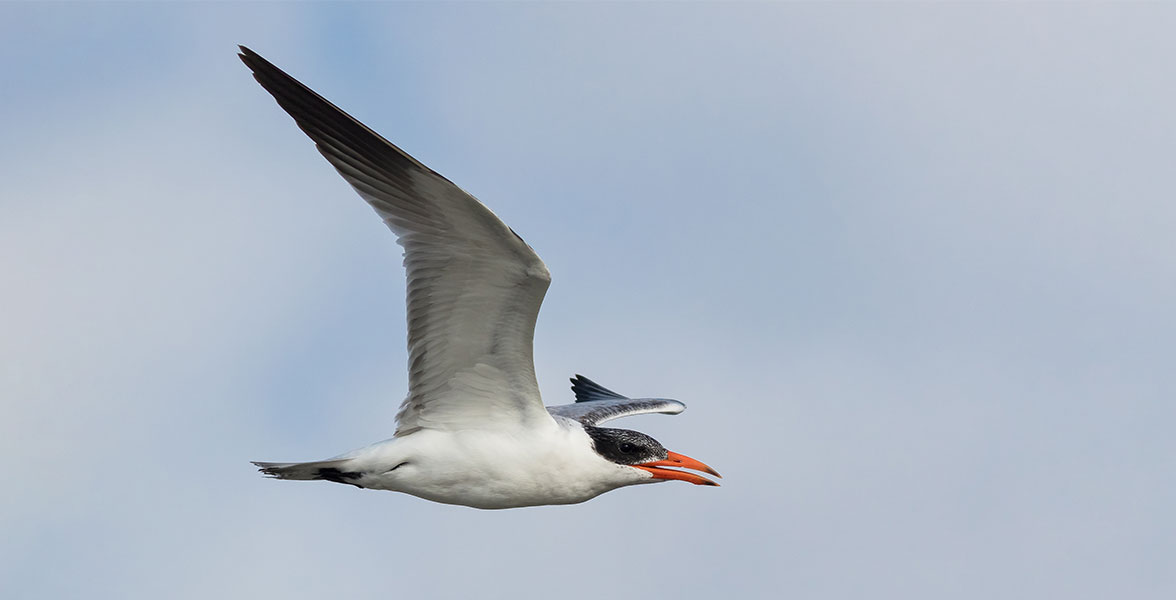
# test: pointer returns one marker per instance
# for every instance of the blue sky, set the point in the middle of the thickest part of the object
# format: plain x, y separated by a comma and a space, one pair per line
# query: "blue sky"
910, 266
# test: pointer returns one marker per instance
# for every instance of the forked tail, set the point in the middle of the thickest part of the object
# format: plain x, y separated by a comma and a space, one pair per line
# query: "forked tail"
329, 470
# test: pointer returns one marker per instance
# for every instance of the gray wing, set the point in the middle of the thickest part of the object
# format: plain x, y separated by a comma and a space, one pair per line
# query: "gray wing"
474, 286
596, 404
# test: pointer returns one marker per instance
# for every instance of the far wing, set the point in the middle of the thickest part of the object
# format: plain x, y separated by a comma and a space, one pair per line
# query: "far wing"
596, 404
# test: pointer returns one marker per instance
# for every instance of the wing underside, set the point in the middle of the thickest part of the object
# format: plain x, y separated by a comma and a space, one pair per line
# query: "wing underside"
474, 286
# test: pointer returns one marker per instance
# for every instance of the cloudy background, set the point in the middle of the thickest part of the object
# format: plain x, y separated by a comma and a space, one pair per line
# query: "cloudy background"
912, 267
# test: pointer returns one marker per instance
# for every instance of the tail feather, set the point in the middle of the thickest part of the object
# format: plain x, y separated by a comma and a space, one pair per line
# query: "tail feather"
329, 470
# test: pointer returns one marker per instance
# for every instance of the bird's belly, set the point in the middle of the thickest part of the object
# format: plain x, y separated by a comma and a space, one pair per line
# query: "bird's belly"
484, 473
491, 488
497, 497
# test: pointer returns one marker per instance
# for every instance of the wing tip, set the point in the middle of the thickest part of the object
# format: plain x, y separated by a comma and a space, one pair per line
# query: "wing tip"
587, 390
249, 57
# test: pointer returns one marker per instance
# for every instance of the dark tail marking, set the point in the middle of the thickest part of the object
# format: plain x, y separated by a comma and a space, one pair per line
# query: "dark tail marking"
333, 474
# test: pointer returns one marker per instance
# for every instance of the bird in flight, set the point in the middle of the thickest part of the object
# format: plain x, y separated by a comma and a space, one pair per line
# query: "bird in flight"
473, 430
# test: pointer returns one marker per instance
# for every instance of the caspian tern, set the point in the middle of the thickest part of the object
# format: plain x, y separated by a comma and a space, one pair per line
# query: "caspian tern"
473, 430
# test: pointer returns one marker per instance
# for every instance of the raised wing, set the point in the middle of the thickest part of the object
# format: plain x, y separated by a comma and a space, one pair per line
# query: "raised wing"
596, 404
474, 286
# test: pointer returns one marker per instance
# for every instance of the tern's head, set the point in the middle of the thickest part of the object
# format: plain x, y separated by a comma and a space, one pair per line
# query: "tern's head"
639, 451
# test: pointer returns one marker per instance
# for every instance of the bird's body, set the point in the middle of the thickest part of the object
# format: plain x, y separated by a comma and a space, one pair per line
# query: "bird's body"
490, 469
473, 430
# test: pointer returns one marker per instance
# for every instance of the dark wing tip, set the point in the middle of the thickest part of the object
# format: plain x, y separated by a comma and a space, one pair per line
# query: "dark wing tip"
587, 390
339, 136
252, 59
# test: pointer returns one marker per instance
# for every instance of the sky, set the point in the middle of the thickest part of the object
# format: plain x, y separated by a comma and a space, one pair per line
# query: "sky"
911, 267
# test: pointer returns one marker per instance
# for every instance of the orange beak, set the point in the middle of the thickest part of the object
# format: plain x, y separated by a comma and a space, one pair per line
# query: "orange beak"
682, 461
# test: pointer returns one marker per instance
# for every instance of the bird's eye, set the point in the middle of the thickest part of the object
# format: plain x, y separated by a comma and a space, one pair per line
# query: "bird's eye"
628, 448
